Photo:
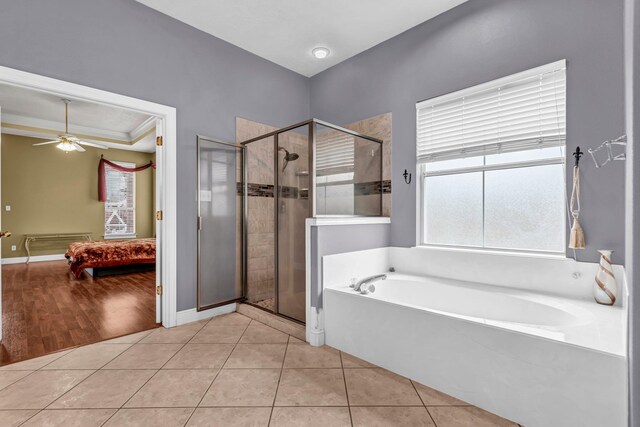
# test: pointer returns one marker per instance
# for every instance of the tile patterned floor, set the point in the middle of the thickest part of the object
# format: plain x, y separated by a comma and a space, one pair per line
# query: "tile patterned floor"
227, 371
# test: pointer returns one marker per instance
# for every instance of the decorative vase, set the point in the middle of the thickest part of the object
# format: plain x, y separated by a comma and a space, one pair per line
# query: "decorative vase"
605, 287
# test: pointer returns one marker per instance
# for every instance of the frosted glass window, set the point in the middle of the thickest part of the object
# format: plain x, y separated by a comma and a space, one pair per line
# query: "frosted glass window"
524, 208
492, 163
453, 209
515, 203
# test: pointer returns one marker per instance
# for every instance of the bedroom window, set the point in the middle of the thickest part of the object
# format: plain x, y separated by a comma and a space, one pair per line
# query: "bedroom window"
491, 162
120, 206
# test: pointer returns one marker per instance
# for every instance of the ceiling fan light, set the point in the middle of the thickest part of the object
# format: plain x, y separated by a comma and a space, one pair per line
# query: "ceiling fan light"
66, 146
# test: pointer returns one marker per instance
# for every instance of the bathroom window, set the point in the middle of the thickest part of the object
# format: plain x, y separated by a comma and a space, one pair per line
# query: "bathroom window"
492, 164
120, 206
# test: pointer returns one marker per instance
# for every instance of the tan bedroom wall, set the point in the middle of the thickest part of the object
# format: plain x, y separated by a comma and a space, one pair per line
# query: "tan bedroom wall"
50, 191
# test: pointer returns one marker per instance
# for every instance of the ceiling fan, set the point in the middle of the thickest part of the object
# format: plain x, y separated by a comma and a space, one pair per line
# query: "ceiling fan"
67, 142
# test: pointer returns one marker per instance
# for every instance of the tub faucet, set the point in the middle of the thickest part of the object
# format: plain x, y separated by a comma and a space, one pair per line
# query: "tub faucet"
367, 281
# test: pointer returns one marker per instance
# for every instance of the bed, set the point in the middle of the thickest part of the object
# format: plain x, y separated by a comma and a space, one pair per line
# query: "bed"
110, 257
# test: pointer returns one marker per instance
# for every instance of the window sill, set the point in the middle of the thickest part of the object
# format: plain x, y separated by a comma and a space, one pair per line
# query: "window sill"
497, 252
119, 236
348, 220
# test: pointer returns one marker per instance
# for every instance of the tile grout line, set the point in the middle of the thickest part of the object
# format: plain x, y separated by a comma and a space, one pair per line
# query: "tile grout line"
38, 411
156, 373
346, 390
219, 370
275, 396
233, 406
19, 379
136, 392
57, 358
423, 404
27, 420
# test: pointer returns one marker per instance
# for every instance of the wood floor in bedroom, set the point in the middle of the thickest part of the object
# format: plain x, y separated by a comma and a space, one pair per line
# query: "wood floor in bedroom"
46, 309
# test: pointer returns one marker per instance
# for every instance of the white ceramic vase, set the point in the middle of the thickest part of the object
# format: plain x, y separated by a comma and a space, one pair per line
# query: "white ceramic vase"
605, 287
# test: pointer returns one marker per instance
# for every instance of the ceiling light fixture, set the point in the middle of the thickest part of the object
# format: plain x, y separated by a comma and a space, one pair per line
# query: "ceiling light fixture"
67, 142
320, 52
66, 146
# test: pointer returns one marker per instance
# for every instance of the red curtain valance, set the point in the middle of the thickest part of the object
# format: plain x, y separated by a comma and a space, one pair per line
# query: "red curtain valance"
102, 184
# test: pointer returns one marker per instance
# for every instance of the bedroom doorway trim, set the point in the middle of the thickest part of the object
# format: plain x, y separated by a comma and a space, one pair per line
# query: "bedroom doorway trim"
166, 178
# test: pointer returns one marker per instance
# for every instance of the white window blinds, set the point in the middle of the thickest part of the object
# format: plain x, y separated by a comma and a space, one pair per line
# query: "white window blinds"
335, 150
518, 112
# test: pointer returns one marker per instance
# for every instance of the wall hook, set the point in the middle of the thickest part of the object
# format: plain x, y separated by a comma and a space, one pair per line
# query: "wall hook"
577, 154
407, 177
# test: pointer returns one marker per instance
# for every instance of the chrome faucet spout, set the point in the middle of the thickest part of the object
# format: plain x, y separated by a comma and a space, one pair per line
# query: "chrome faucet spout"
368, 280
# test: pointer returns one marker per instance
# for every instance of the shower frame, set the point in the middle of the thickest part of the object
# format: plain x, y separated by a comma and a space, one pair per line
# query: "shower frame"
312, 123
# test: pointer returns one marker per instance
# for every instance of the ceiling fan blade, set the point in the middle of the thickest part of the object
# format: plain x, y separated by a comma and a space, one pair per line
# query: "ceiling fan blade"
92, 144
48, 142
79, 148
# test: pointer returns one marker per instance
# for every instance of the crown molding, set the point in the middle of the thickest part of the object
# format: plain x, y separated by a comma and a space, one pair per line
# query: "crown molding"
46, 129
50, 127
143, 129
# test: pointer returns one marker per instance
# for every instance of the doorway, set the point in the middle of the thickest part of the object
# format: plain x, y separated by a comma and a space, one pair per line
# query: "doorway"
163, 136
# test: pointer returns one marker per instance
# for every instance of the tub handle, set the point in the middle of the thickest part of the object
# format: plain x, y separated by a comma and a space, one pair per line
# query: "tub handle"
368, 289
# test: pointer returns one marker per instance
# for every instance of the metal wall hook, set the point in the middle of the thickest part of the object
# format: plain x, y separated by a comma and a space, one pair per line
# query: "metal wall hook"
407, 177
577, 154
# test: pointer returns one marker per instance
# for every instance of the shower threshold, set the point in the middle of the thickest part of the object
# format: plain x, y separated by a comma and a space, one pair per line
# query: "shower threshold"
268, 306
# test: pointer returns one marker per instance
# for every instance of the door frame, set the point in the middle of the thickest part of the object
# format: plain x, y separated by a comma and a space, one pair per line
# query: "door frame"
166, 178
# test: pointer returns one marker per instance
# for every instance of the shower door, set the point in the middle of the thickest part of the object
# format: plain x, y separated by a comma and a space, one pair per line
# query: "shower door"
220, 202
277, 205
294, 207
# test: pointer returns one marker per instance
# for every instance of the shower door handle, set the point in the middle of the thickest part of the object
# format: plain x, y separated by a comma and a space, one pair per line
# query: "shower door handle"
199, 223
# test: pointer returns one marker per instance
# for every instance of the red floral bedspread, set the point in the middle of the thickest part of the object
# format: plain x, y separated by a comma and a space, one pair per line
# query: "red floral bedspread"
110, 253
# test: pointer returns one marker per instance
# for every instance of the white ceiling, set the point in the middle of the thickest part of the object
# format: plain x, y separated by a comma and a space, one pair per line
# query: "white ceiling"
285, 31
41, 115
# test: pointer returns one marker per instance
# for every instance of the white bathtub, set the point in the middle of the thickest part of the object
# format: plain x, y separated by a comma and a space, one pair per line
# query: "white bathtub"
539, 359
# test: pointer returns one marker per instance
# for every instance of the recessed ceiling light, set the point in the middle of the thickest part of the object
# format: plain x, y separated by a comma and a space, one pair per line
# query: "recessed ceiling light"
320, 52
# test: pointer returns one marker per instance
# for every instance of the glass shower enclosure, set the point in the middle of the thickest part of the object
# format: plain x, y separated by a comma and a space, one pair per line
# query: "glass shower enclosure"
307, 170
254, 200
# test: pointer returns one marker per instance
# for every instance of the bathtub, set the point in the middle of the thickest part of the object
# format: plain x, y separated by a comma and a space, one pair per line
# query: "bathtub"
538, 358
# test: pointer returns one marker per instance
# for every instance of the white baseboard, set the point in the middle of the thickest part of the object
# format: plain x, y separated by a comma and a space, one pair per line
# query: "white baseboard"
192, 315
315, 327
37, 258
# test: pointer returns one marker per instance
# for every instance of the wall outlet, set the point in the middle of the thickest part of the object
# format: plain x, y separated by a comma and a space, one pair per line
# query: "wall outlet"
14, 248
7, 208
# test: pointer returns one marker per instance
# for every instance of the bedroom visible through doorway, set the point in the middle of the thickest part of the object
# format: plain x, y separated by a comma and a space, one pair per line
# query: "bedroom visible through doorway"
78, 196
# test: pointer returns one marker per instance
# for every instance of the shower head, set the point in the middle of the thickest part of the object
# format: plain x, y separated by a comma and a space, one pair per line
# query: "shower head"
288, 157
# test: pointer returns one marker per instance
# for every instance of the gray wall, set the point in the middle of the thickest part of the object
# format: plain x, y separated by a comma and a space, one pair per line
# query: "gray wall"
336, 239
124, 47
479, 41
632, 90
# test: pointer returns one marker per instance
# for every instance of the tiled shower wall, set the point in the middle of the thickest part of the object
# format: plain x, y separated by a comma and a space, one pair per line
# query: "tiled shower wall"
378, 127
260, 209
